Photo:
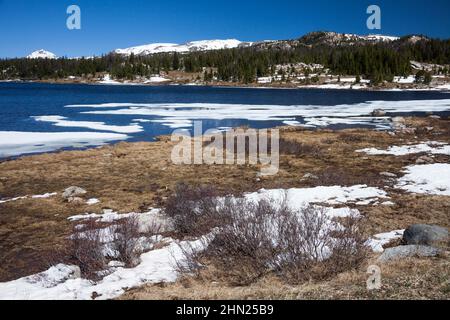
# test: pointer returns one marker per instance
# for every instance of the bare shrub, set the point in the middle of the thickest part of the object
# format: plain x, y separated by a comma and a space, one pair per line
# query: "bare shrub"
315, 248
126, 239
244, 249
86, 250
193, 210
264, 238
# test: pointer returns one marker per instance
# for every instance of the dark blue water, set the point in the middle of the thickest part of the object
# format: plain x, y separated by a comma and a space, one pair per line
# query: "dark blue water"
19, 102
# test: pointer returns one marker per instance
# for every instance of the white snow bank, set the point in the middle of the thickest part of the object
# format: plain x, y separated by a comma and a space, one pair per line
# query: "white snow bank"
379, 240
297, 197
208, 111
427, 179
156, 79
432, 147
39, 196
57, 284
14, 143
60, 121
108, 80
92, 201
408, 80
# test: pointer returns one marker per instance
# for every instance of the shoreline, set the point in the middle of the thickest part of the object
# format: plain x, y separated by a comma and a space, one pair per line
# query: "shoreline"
440, 88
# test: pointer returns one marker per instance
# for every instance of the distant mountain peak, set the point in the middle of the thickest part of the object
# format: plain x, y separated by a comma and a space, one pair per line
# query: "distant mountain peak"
193, 46
42, 54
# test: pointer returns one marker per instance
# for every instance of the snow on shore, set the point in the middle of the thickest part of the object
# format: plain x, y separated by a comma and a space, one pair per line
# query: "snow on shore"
60, 121
14, 143
379, 240
316, 115
39, 196
427, 179
431, 147
297, 198
58, 282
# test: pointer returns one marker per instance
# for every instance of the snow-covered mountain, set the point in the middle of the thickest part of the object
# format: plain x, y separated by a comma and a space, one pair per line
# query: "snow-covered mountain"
42, 54
202, 45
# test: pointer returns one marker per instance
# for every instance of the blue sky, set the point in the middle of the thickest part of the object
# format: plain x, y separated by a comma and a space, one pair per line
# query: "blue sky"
28, 25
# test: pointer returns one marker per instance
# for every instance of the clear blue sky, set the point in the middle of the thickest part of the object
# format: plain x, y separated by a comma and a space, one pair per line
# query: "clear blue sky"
28, 25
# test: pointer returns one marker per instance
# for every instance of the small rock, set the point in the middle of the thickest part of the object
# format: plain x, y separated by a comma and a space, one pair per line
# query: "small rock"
401, 252
73, 192
424, 234
434, 117
310, 176
424, 160
429, 129
378, 113
75, 200
388, 174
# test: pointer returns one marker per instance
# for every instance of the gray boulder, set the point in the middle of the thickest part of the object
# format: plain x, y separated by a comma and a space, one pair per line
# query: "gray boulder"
401, 252
73, 192
424, 234
388, 174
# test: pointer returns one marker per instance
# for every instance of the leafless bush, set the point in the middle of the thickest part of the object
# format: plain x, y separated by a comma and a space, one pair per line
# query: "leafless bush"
126, 239
313, 247
86, 250
193, 210
263, 238
244, 249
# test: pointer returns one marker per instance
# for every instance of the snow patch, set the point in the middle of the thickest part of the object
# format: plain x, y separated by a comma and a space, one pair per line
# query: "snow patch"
432, 147
380, 240
427, 179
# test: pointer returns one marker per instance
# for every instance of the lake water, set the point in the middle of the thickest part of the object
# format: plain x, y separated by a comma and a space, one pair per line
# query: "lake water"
37, 117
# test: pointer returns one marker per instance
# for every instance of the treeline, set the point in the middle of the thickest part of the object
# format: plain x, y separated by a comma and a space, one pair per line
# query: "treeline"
377, 62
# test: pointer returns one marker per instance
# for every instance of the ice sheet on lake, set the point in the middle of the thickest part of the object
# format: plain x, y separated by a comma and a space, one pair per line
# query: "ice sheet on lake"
358, 113
60, 121
13, 143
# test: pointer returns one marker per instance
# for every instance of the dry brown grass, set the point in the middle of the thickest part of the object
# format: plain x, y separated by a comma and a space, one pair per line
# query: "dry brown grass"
407, 279
134, 176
